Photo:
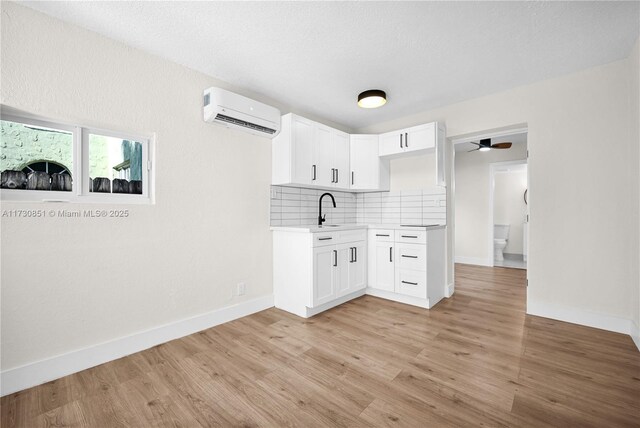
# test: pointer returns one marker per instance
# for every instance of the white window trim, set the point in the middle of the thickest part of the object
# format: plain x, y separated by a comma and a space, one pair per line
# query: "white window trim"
80, 192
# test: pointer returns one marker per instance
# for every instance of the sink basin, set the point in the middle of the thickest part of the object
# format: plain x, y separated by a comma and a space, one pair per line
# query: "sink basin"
330, 225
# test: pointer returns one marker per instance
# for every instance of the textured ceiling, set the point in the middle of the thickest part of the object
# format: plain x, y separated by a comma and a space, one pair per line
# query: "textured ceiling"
317, 56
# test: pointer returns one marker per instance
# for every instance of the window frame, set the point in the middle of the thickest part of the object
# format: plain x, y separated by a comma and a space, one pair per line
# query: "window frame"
80, 170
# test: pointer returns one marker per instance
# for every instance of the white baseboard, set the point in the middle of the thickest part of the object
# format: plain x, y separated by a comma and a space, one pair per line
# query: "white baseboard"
37, 373
635, 334
578, 316
474, 261
451, 288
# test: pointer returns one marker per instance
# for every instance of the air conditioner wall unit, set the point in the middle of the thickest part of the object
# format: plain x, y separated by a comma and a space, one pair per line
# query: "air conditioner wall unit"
236, 111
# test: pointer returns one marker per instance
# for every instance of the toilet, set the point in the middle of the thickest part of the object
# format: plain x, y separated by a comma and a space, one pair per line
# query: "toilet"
500, 239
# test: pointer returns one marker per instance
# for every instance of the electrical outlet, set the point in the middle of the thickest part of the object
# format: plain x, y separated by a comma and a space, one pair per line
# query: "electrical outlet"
274, 194
241, 288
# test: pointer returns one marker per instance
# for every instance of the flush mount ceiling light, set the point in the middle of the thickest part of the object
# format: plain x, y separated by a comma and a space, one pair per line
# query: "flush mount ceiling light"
372, 98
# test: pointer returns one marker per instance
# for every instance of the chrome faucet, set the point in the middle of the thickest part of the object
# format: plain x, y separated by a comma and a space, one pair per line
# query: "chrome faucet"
321, 218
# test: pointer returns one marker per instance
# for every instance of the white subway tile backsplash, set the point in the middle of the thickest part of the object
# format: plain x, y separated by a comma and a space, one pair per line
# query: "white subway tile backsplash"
296, 206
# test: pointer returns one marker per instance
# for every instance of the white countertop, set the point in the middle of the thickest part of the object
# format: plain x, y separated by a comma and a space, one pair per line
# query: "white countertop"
312, 228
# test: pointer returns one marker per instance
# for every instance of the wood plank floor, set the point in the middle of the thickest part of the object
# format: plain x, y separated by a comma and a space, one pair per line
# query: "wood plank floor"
474, 360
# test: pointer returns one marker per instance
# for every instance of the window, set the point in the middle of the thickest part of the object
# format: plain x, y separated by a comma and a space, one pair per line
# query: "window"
42, 160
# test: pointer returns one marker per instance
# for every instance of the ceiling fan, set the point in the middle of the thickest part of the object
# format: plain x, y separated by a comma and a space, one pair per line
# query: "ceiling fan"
485, 144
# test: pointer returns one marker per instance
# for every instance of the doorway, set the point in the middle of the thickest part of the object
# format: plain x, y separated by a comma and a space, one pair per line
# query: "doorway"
472, 197
509, 228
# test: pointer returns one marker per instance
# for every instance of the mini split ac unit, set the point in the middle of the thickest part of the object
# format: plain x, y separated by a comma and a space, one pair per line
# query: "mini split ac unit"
235, 111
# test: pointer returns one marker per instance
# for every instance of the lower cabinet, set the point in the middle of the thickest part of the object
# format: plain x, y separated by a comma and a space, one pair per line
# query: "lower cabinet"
338, 270
400, 270
382, 265
313, 272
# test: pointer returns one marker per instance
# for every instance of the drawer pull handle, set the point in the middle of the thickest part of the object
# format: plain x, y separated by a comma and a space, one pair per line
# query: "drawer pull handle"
324, 239
380, 234
409, 236
335, 258
410, 257
410, 283
391, 254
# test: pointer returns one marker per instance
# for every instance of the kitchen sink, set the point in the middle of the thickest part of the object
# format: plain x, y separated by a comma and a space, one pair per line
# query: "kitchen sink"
330, 225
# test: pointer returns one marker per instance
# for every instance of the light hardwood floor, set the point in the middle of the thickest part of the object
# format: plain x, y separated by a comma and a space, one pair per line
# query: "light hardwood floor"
474, 360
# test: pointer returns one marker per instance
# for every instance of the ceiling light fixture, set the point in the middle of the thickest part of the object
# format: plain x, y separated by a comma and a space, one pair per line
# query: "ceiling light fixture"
484, 149
372, 98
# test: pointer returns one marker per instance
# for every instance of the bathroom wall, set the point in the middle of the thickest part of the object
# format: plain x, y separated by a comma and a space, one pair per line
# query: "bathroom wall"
509, 207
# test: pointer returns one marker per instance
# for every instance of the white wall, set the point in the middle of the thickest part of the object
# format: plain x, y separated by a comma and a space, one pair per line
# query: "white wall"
473, 209
570, 119
413, 173
509, 207
634, 153
73, 283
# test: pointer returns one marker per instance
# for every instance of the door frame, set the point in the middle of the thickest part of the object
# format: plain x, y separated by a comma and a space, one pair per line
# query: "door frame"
451, 200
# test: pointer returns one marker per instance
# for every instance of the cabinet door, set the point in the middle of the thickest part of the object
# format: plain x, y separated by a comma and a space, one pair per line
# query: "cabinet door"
340, 142
365, 163
302, 150
384, 272
358, 266
342, 270
420, 137
323, 156
391, 143
324, 264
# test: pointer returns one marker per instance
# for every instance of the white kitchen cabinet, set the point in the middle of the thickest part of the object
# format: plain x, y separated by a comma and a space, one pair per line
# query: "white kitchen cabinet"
415, 139
340, 143
407, 265
316, 271
310, 154
368, 170
323, 157
381, 264
294, 152
339, 270
357, 278
324, 281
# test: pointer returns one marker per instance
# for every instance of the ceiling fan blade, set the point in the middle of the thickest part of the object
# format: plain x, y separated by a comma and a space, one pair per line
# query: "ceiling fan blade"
501, 146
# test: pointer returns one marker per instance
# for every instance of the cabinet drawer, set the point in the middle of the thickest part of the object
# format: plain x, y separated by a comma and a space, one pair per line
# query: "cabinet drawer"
352, 235
324, 238
411, 256
383, 235
411, 236
411, 283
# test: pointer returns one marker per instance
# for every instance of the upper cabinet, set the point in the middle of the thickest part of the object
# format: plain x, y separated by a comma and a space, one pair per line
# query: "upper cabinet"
368, 170
331, 157
308, 153
416, 138
421, 139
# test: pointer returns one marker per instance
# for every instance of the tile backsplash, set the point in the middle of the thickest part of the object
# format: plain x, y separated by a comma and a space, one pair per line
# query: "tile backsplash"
292, 206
